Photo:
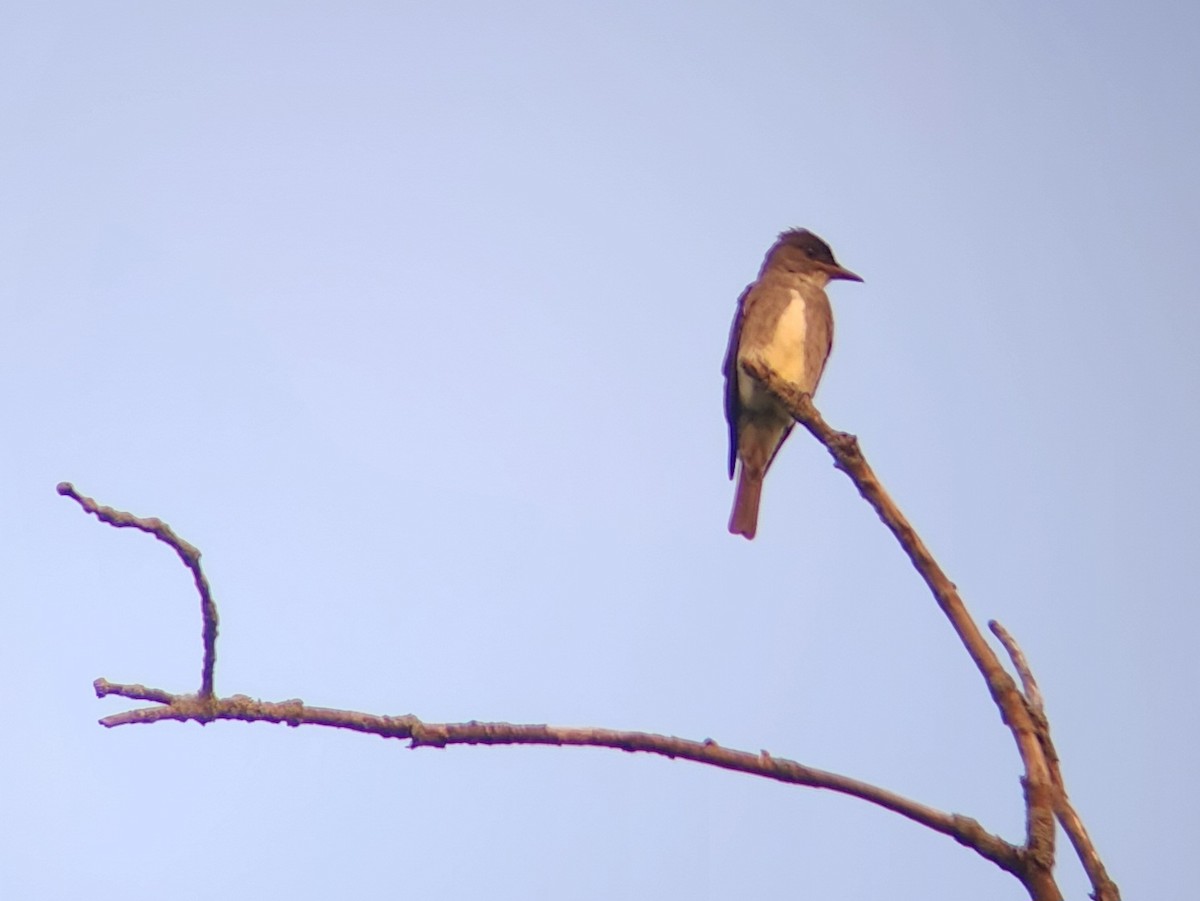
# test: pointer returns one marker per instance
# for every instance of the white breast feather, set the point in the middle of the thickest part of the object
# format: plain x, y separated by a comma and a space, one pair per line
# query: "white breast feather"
785, 354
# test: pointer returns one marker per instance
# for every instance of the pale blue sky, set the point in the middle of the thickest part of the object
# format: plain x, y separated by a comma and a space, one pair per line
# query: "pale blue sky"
411, 318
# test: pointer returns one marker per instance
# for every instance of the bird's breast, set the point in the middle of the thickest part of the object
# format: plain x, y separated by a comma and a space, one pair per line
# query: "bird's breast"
786, 350
792, 339
784, 345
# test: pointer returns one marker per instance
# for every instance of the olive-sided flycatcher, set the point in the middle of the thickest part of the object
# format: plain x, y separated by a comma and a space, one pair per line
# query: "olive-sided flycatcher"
784, 321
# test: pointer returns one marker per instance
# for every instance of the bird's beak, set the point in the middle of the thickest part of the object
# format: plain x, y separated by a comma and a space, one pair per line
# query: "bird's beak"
839, 272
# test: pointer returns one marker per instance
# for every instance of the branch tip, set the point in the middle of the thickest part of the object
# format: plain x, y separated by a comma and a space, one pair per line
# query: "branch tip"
1029, 686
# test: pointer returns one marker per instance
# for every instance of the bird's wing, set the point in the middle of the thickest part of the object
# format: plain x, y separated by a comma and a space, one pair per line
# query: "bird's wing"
733, 402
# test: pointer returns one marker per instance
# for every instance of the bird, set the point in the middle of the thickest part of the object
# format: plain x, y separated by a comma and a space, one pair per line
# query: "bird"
783, 321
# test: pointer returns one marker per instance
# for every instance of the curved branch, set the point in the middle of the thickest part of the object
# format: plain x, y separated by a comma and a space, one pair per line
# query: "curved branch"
420, 734
190, 556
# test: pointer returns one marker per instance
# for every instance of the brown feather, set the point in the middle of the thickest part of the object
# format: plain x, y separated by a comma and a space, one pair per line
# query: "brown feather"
784, 321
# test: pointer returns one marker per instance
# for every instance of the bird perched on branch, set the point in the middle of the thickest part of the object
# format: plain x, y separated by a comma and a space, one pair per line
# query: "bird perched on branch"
784, 322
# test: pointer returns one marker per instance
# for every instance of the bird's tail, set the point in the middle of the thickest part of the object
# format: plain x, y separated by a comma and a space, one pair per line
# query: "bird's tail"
744, 519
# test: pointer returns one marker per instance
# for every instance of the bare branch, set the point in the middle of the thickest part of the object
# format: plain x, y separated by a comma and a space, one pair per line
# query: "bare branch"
1045, 798
187, 553
965, 830
1028, 684
1039, 790
1104, 889
205, 708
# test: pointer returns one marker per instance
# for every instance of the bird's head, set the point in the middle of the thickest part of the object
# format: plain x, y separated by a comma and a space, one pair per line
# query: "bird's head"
799, 250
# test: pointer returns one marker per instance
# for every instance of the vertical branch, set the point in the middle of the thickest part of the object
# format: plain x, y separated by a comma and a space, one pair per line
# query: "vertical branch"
187, 553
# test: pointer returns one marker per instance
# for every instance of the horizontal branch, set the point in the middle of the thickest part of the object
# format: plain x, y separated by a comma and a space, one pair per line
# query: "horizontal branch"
965, 830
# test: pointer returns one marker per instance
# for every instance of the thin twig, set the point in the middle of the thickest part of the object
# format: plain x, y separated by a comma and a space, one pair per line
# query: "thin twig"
1104, 889
965, 830
1029, 684
1039, 790
190, 556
